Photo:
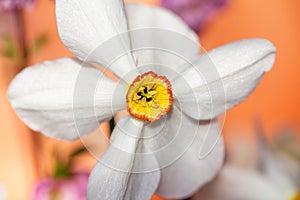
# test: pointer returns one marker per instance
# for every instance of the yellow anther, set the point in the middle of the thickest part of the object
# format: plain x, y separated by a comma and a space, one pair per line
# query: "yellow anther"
149, 97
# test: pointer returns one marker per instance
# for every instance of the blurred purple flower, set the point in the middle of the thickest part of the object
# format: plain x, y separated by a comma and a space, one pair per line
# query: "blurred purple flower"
7, 5
73, 188
194, 12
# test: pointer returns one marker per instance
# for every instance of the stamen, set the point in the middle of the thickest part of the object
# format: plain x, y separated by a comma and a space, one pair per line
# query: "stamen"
149, 97
296, 196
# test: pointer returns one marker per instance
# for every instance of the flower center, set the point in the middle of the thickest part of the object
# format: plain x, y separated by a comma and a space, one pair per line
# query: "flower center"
149, 97
296, 196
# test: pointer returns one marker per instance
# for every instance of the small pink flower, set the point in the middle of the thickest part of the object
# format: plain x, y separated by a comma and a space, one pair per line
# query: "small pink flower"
73, 188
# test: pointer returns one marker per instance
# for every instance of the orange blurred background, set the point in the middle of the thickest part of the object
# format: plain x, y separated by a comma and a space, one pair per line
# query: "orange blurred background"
276, 101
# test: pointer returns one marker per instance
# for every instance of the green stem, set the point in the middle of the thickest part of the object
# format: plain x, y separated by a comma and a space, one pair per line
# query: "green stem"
21, 39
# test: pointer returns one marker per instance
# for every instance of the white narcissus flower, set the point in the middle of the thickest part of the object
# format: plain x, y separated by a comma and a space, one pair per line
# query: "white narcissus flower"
172, 94
268, 176
244, 184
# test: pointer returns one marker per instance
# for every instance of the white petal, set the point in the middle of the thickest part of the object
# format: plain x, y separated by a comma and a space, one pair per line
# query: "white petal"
160, 39
168, 137
63, 99
238, 183
115, 175
271, 165
96, 31
142, 16
289, 170
199, 164
223, 77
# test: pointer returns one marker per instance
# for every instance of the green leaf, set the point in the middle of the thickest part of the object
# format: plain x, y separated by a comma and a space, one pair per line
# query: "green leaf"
39, 42
62, 171
9, 50
78, 152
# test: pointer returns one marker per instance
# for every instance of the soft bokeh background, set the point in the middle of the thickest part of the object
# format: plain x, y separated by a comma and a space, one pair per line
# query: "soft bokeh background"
276, 101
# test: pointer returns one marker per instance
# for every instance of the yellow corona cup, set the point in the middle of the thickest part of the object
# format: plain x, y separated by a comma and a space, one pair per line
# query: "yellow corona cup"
149, 97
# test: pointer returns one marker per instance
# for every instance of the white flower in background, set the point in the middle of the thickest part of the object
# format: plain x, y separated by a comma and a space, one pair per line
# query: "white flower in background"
172, 104
270, 175
2, 193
